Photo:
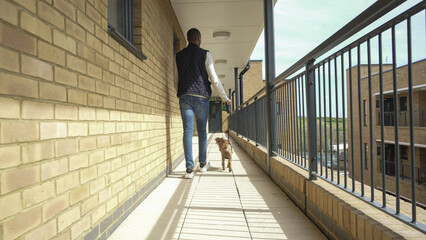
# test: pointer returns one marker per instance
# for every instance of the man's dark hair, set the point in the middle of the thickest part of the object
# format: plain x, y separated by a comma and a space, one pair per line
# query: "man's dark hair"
193, 34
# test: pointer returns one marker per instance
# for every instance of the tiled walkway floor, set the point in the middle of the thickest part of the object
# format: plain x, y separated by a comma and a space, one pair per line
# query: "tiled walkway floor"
216, 204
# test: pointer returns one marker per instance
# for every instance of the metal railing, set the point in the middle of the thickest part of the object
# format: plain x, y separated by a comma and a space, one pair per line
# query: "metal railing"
325, 105
405, 173
404, 118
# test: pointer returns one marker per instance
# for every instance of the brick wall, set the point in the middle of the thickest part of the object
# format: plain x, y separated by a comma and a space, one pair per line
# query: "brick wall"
87, 129
253, 80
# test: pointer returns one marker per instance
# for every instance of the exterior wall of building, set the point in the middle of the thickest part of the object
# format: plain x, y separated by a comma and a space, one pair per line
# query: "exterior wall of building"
86, 128
419, 80
253, 80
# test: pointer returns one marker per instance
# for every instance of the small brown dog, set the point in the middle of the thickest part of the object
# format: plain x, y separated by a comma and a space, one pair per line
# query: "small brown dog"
225, 148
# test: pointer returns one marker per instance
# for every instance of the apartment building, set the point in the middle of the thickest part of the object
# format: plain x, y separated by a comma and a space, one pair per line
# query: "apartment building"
403, 140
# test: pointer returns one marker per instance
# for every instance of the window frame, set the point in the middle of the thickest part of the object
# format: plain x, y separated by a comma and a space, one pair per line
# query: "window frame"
366, 156
126, 40
365, 112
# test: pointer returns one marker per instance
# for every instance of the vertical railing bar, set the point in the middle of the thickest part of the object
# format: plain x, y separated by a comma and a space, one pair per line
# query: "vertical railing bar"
410, 96
360, 119
255, 122
320, 120
370, 106
396, 121
382, 125
352, 125
287, 128
330, 118
344, 122
337, 121
294, 121
325, 123
283, 128
304, 120
288, 119
299, 119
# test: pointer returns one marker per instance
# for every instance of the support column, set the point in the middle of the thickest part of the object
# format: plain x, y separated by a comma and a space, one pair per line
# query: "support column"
270, 76
311, 115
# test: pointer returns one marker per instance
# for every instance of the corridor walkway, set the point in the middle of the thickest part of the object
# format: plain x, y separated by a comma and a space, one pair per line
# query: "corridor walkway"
216, 204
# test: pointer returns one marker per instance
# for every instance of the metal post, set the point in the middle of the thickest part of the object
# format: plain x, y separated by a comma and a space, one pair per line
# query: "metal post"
270, 73
236, 89
311, 115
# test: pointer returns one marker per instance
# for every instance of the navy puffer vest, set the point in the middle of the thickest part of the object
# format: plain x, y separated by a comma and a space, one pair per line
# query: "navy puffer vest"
193, 77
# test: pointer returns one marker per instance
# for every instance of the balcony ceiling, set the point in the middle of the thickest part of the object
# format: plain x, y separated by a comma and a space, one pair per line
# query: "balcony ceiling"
242, 18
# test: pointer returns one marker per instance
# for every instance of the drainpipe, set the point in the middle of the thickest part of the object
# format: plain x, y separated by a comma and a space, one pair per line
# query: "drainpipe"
236, 89
241, 81
233, 97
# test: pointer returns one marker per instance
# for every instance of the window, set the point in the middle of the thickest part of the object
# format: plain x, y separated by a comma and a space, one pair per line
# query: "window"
365, 112
379, 152
404, 152
366, 155
403, 104
120, 24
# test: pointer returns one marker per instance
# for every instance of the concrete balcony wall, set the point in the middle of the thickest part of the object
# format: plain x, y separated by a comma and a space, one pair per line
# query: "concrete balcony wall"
87, 129
337, 213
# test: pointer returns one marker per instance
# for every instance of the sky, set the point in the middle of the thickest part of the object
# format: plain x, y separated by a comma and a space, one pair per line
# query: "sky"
296, 34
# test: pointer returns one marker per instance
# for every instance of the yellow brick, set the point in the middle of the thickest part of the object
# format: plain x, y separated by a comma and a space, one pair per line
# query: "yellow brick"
360, 226
86, 83
65, 77
79, 161
22, 223
97, 185
35, 26
75, 31
77, 96
93, 14
15, 85
84, 21
9, 108
110, 153
80, 227
34, 67
38, 151
98, 213
51, 53
77, 129
54, 168
112, 203
109, 128
109, 103
9, 13
28, 4
36, 110
66, 147
79, 194
96, 128
94, 43
67, 218
87, 144
38, 194
87, 113
66, 112
19, 132
66, 8
95, 100
53, 130
45, 231
51, 15
18, 40
10, 156
104, 141
102, 114
53, 92
89, 204
10, 205
94, 71
9, 60
76, 64
55, 206
67, 182
65, 42
19, 178
88, 174
85, 52
96, 157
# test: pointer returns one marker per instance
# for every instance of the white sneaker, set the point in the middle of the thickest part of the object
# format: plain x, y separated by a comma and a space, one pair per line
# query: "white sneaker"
205, 167
189, 175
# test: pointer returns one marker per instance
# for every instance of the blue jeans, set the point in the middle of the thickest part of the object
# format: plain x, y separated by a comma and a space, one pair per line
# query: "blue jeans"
198, 106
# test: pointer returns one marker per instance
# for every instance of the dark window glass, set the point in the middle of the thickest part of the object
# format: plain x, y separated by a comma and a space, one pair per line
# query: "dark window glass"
365, 112
404, 152
403, 104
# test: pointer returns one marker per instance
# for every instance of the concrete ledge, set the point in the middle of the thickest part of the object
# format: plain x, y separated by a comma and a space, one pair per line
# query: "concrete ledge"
110, 223
337, 213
